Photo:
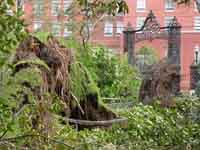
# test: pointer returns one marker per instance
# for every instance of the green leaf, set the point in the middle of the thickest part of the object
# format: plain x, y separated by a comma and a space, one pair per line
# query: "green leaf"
34, 62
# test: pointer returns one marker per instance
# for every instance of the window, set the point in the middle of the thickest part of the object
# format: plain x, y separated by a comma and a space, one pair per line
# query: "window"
67, 31
169, 5
55, 7
168, 20
37, 25
108, 29
139, 22
38, 8
141, 5
120, 27
56, 29
66, 6
197, 24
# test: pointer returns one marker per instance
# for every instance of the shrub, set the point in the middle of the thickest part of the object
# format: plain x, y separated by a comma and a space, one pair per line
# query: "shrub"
149, 127
112, 73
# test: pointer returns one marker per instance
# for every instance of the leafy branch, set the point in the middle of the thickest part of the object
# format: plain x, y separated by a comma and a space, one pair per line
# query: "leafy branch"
14, 139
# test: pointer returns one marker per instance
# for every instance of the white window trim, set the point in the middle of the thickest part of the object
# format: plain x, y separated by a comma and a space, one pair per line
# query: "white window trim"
58, 25
108, 25
165, 20
139, 8
39, 3
119, 28
137, 22
37, 22
66, 32
197, 24
68, 3
167, 8
53, 4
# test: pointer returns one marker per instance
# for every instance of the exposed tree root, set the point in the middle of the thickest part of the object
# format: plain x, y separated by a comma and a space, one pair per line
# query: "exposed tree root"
56, 81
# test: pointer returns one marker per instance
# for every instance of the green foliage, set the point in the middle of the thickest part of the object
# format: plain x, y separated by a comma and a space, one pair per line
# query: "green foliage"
113, 75
21, 126
17, 100
146, 56
149, 127
33, 62
111, 7
42, 36
81, 82
11, 30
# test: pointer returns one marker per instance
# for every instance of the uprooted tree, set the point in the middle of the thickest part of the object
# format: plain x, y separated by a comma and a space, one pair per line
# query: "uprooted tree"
63, 78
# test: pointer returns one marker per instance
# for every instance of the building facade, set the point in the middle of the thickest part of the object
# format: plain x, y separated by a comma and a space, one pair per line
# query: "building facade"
52, 16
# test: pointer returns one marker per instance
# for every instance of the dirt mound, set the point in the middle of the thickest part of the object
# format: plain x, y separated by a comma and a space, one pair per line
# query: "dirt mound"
161, 82
56, 79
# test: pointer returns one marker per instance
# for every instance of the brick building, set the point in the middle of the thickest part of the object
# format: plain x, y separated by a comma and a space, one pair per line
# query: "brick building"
50, 15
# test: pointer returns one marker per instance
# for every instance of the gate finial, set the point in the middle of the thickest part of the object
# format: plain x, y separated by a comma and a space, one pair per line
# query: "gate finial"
150, 23
174, 23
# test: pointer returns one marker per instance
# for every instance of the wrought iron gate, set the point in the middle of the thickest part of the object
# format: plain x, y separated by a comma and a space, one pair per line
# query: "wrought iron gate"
152, 30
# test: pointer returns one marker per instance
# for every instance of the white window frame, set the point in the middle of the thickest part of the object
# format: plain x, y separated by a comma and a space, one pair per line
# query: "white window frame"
120, 27
55, 7
170, 5
67, 32
140, 22
108, 28
66, 6
167, 20
197, 24
38, 8
56, 26
140, 5
37, 25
